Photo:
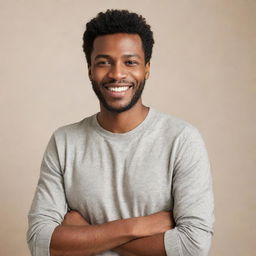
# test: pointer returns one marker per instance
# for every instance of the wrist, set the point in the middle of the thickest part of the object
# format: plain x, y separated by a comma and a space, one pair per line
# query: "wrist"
136, 225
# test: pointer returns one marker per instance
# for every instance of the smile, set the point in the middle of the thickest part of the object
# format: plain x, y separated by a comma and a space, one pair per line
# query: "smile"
118, 89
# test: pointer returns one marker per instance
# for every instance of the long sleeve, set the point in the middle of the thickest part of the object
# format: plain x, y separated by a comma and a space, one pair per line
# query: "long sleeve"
49, 204
193, 198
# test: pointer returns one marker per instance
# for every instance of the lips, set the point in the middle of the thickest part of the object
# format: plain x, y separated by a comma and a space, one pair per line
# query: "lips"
117, 90
114, 85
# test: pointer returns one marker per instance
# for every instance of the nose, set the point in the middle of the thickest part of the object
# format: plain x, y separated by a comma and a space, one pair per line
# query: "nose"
117, 72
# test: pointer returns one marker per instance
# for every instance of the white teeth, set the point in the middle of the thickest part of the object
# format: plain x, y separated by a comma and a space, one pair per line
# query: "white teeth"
118, 89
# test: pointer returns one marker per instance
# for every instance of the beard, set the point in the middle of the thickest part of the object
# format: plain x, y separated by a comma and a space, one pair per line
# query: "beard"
133, 101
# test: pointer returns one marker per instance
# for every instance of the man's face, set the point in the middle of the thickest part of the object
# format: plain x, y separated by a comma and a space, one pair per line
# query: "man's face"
118, 71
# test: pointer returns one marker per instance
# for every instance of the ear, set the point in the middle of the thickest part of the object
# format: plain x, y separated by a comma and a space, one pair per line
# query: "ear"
147, 70
89, 72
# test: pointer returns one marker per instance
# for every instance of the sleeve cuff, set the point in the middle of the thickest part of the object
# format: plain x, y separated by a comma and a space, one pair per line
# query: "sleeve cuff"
171, 243
43, 240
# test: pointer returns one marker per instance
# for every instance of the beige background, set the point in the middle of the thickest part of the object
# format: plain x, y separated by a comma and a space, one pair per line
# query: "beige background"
203, 71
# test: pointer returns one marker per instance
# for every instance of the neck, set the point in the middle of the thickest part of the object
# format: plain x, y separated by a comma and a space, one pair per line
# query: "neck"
122, 122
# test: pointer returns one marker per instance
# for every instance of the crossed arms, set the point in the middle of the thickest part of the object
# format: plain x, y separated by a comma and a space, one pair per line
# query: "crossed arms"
128, 237
154, 234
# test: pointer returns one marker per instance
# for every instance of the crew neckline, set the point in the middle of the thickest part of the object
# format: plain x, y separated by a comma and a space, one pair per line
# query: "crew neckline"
126, 135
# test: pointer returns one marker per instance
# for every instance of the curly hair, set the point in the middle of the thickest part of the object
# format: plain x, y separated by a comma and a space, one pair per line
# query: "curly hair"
117, 21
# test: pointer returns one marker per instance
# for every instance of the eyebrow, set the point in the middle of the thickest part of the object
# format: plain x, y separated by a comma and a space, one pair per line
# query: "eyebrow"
102, 56
132, 55
105, 56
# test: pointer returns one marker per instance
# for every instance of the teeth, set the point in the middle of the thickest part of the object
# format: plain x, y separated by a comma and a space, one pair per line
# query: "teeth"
118, 89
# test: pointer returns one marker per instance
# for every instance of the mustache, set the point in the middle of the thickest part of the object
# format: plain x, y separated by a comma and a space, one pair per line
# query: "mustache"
113, 81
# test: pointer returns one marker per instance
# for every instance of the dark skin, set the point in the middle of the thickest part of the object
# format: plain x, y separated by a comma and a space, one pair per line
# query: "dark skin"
151, 245
128, 237
116, 61
124, 60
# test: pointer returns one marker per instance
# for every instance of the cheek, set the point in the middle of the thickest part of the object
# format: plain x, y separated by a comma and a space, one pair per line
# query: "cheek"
98, 74
139, 74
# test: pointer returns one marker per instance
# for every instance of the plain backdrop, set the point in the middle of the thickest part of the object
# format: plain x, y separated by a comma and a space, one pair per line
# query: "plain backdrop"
202, 70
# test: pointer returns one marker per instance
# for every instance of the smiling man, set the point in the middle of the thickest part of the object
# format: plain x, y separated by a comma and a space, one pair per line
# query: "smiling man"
127, 180
118, 76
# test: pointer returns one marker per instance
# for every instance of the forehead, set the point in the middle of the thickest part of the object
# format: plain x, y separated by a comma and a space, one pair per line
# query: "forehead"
118, 45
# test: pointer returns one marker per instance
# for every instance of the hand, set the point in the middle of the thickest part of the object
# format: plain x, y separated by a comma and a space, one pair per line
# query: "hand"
74, 218
154, 224
151, 226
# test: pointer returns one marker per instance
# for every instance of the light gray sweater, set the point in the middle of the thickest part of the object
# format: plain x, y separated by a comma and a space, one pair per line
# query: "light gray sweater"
162, 164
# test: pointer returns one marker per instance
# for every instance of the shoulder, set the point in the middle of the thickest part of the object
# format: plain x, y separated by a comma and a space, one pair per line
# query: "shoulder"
176, 127
73, 130
187, 142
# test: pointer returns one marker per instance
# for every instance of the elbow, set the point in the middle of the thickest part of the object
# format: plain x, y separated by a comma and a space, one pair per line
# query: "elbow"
38, 239
195, 241
31, 242
201, 249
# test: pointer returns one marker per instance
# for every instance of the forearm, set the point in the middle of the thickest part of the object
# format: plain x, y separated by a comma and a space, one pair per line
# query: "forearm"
150, 246
77, 237
91, 239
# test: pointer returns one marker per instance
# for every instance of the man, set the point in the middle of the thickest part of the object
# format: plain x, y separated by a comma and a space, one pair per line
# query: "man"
128, 180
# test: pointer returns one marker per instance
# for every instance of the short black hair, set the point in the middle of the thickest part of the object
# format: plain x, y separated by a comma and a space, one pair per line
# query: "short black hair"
117, 21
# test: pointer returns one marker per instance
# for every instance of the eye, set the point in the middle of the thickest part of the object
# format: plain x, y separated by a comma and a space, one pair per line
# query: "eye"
131, 62
103, 63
